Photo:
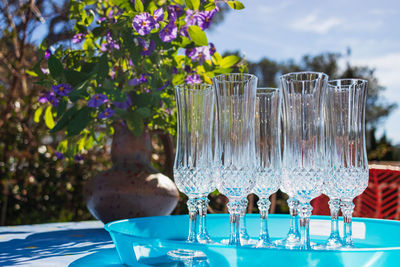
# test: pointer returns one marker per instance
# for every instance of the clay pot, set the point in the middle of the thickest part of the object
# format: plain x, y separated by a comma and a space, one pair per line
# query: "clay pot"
132, 187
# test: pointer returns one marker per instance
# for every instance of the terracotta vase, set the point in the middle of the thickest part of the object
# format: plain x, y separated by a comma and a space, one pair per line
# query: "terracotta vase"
132, 187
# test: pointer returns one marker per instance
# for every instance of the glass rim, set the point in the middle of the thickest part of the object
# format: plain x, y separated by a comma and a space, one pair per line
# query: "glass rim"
194, 87
352, 81
321, 75
218, 79
267, 90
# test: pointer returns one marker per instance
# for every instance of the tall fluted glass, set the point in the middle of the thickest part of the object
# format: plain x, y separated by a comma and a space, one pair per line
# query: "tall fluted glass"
304, 164
194, 155
235, 102
268, 155
349, 169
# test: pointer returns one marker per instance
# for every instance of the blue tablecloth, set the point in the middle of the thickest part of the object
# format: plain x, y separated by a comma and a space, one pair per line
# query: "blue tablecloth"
57, 244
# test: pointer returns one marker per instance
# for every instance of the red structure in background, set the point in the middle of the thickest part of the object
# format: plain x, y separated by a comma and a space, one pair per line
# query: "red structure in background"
380, 200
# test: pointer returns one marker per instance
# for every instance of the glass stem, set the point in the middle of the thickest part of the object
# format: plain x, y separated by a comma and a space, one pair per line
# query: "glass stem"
305, 213
234, 208
263, 206
334, 206
192, 207
202, 236
244, 236
294, 219
347, 207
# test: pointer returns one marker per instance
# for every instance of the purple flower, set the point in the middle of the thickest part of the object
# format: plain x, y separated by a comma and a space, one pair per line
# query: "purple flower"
168, 110
169, 32
212, 49
43, 99
45, 71
174, 70
148, 47
190, 18
110, 14
165, 85
158, 15
110, 44
78, 38
62, 89
204, 18
187, 68
78, 157
192, 79
59, 155
51, 97
108, 112
201, 54
47, 53
190, 52
124, 104
97, 100
174, 12
101, 19
136, 81
143, 23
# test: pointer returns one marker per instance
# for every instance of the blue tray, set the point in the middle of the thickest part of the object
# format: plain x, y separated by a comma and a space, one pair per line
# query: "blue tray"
146, 241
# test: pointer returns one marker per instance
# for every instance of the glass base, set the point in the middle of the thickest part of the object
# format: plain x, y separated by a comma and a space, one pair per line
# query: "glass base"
243, 242
264, 244
186, 255
290, 242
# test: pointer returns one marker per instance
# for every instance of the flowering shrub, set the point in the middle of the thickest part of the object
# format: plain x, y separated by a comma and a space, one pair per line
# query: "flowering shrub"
125, 58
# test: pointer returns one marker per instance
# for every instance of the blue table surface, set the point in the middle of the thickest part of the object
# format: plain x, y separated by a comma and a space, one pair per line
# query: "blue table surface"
57, 244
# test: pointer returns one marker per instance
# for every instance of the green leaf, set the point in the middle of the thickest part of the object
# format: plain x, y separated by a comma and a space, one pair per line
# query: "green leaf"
197, 35
62, 146
88, 44
235, 5
229, 61
103, 66
75, 77
135, 123
81, 143
48, 118
38, 113
89, 142
209, 6
98, 31
79, 92
38, 70
139, 6
31, 73
79, 121
193, 4
62, 106
144, 112
55, 67
178, 79
66, 117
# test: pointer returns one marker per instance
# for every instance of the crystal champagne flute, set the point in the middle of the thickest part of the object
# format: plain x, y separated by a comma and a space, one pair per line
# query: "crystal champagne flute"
193, 160
235, 102
304, 164
268, 155
349, 169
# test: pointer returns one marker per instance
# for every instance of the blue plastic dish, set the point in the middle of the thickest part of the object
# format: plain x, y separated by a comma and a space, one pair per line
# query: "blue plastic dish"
146, 241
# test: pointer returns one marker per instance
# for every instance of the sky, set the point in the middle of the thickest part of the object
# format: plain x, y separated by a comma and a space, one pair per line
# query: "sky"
289, 29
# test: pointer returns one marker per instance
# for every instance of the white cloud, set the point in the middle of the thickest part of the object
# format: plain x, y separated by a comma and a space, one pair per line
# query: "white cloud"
312, 23
387, 70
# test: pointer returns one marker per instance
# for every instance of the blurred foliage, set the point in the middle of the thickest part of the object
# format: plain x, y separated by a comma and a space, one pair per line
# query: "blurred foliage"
35, 187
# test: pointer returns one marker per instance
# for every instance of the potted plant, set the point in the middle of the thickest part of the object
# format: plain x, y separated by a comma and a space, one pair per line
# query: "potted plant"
117, 78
